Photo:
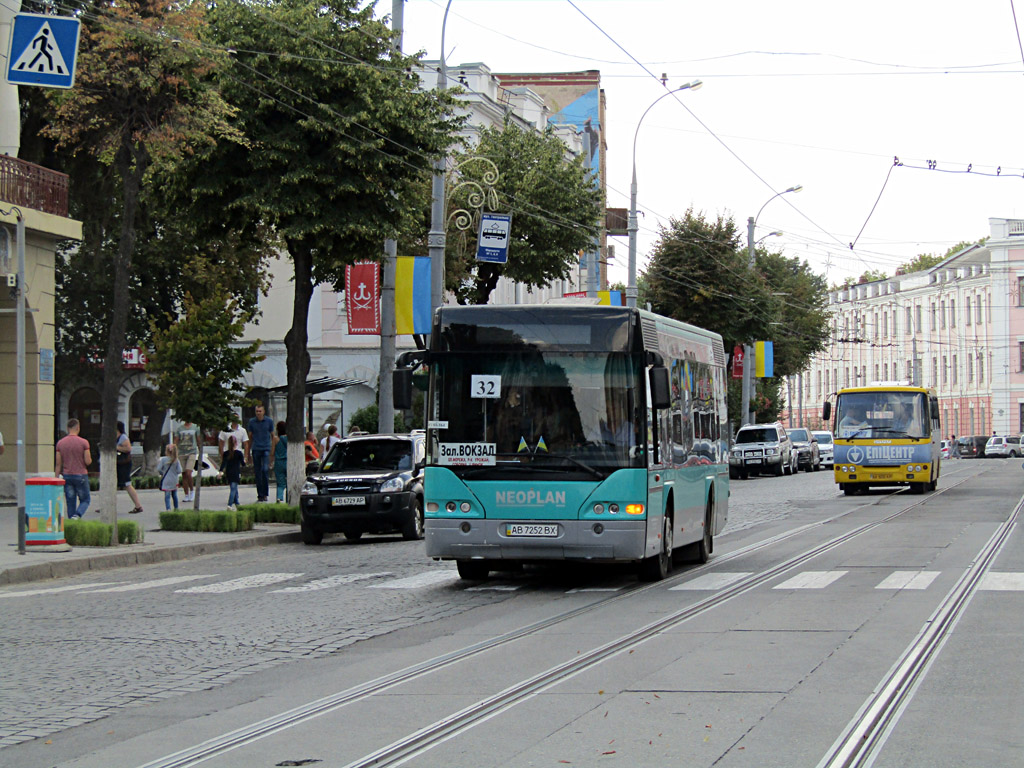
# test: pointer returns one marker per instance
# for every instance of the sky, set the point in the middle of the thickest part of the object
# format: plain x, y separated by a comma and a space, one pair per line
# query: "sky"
818, 94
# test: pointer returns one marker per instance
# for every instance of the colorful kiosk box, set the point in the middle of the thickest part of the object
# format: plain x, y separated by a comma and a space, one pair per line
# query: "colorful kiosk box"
44, 511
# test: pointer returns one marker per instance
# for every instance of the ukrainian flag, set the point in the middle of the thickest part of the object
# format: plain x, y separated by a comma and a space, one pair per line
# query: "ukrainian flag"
610, 298
412, 295
764, 354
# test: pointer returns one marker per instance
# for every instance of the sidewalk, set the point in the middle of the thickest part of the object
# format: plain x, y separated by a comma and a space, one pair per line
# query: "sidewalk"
158, 546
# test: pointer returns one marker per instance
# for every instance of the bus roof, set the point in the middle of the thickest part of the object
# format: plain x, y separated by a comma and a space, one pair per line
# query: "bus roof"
887, 387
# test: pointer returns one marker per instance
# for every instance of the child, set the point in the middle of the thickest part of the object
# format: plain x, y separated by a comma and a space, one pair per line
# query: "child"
231, 466
168, 467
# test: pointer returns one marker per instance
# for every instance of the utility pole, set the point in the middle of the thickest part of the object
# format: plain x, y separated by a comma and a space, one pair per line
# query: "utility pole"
748, 349
385, 402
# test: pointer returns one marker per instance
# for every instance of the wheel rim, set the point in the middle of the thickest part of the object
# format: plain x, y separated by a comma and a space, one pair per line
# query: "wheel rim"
420, 525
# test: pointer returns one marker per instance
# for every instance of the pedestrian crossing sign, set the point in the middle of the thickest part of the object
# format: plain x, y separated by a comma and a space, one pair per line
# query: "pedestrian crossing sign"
43, 50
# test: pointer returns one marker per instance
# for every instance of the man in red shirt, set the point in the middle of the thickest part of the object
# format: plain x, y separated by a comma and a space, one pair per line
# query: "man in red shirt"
72, 461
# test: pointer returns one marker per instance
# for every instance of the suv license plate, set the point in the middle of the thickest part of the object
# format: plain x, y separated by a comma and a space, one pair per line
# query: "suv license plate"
753, 461
347, 501
530, 529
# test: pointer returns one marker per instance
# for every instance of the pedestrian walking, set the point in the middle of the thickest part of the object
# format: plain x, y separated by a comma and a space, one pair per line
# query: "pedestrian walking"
231, 466
954, 447
329, 440
241, 437
261, 431
312, 454
187, 440
124, 467
72, 463
279, 460
168, 467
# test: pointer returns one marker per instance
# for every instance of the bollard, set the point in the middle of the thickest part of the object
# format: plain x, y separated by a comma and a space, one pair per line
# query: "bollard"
45, 513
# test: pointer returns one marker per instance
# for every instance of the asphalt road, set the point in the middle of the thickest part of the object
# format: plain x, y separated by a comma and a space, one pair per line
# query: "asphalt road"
129, 666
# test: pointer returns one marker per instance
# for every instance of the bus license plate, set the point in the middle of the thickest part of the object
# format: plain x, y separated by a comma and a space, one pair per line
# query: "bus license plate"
530, 529
882, 476
348, 501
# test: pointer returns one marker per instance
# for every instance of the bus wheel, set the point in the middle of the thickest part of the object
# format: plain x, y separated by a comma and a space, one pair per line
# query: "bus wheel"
657, 567
706, 545
849, 490
918, 487
473, 570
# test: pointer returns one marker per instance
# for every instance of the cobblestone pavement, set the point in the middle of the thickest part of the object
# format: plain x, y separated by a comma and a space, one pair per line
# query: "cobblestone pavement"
76, 655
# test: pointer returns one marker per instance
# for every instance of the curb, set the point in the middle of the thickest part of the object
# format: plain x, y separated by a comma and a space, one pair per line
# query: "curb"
148, 556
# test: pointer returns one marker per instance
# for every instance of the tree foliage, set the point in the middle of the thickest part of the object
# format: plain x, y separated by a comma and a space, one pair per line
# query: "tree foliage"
554, 204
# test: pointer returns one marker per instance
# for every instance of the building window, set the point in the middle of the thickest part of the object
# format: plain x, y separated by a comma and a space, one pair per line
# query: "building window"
970, 369
1020, 292
984, 429
863, 375
1020, 421
942, 314
846, 377
1020, 356
874, 327
885, 324
826, 381
885, 368
910, 322
967, 311
917, 318
955, 369
977, 311
952, 313
876, 372
981, 367
934, 324
910, 371
935, 373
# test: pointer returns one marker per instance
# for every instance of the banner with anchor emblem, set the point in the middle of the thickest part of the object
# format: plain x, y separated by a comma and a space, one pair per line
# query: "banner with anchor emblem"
362, 298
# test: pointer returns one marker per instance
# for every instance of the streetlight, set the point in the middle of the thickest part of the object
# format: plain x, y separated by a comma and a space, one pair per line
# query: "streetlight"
748, 353
631, 226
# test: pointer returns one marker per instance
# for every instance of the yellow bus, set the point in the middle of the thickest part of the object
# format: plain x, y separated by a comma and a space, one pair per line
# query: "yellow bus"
885, 435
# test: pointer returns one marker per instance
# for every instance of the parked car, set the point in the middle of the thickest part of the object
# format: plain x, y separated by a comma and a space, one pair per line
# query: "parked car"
366, 484
1003, 445
825, 446
972, 447
761, 448
944, 448
808, 453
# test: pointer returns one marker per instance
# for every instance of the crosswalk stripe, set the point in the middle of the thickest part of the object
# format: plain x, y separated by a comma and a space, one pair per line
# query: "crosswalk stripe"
811, 580
331, 581
51, 590
151, 584
246, 582
428, 579
1003, 582
908, 580
711, 581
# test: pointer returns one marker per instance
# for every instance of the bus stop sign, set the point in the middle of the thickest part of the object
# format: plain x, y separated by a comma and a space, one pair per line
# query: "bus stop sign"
42, 50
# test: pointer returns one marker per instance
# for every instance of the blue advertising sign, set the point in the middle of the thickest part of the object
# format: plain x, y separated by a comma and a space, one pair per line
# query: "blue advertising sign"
882, 455
492, 239
43, 50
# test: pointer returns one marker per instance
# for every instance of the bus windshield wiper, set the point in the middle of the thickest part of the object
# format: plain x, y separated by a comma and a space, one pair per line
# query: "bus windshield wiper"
595, 472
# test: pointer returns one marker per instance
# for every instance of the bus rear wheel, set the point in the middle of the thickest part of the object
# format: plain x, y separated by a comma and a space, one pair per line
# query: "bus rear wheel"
658, 567
706, 545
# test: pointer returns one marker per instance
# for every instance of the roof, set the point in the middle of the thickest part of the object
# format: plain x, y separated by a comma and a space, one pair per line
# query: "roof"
321, 385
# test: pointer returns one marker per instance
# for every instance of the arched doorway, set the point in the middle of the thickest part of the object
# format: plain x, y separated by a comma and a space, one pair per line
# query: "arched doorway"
85, 405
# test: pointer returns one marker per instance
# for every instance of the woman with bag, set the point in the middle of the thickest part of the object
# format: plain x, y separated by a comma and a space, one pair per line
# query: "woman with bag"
168, 467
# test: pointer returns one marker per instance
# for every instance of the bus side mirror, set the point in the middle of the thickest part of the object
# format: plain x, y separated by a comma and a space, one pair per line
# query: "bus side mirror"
661, 396
402, 388
826, 411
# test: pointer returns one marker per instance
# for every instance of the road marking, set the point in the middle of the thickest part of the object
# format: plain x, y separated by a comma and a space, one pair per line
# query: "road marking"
51, 590
151, 584
428, 579
246, 582
331, 581
593, 589
811, 580
494, 588
711, 581
1002, 582
908, 580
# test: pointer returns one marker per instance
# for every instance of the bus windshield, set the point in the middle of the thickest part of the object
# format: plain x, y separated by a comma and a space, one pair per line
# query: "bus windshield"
883, 414
577, 412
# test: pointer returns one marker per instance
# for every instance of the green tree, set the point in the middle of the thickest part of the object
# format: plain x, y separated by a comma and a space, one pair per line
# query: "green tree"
340, 135
141, 102
555, 211
366, 419
197, 366
925, 261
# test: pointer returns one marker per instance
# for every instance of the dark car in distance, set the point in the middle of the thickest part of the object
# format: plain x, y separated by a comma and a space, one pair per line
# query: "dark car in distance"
972, 447
366, 484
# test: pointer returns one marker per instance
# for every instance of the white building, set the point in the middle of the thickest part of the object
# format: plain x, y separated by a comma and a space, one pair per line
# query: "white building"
957, 327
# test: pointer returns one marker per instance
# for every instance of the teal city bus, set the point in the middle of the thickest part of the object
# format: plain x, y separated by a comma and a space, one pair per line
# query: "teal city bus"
570, 432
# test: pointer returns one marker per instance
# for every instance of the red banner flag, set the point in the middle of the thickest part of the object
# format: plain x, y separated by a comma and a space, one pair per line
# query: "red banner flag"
737, 362
362, 297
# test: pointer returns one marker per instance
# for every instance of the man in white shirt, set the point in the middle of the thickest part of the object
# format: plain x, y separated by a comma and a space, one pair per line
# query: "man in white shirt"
234, 428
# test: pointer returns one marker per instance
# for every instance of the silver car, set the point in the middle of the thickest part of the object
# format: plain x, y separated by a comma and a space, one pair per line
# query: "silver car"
825, 447
1003, 445
762, 448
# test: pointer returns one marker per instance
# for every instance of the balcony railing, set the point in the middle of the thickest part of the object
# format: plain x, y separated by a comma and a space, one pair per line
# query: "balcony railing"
32, 186
1016, 227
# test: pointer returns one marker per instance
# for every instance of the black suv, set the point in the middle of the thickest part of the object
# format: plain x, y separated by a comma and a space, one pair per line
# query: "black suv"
366, 484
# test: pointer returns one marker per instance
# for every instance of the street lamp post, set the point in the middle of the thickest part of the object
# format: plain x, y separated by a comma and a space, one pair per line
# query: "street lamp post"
746, 417
631, 226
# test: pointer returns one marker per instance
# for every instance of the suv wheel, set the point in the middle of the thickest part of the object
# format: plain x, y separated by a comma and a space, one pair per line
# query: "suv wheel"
413, 529
311, 536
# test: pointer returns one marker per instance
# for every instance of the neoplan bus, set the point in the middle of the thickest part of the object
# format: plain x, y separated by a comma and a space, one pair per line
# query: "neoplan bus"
886, 435
570, 432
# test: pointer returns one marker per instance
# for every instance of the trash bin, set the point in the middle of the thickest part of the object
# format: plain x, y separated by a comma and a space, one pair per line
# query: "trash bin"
44, 511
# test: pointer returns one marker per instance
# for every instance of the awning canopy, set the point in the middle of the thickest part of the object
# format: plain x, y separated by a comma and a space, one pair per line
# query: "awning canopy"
319, 386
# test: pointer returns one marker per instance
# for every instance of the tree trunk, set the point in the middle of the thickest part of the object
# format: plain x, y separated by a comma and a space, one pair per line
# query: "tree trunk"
153, 438
298, 364
131, 165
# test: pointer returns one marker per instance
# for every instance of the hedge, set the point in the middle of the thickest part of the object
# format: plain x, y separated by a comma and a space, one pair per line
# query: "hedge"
219, 521
274, 513
96, 533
